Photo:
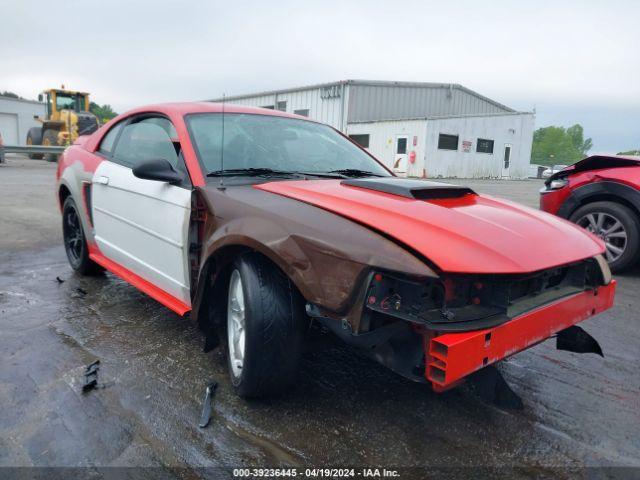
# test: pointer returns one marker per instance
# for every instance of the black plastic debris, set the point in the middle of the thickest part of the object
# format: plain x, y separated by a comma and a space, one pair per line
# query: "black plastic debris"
91, 376
491, 386
205, 416
79, 293
59, 280
575, 339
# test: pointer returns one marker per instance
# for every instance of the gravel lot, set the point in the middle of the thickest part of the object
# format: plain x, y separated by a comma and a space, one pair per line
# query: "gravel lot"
580, 410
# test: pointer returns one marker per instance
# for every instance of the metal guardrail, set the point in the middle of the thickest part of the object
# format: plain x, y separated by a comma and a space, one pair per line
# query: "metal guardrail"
30, 149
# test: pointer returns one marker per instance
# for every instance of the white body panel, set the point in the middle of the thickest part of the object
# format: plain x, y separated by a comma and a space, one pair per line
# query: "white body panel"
143, 225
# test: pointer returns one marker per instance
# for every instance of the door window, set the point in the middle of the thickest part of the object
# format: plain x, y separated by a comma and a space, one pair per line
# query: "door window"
148, 139
507, 156
401, 146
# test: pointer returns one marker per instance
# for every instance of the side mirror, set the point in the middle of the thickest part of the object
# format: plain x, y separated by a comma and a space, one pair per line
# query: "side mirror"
157, 169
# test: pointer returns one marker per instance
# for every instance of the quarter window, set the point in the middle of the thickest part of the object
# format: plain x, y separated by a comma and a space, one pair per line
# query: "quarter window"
447, 142
484, 146
109, 140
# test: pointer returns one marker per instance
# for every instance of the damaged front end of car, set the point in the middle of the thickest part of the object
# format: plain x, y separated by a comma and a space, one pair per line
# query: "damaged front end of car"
440, 330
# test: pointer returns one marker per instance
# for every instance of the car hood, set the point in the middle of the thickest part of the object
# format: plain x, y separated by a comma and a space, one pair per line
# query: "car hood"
468, 233
596, 162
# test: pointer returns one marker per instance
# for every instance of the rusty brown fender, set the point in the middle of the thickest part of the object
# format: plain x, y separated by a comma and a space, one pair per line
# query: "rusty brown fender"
325, 255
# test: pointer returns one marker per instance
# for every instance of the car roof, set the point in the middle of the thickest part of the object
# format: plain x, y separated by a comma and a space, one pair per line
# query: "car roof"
605, 156
181, 109
185, 108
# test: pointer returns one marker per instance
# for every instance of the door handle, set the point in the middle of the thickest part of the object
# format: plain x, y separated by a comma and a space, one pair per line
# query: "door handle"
102, 180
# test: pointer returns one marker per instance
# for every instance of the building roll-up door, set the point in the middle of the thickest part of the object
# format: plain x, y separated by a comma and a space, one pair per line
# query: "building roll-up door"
9, 128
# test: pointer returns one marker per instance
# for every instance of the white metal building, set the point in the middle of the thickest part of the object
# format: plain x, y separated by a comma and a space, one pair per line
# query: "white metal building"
418, 129
16, 118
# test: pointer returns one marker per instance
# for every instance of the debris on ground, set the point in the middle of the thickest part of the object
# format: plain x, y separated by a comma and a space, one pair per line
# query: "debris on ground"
575, 339
491, 386
59, 280
91, 376
205, 416
79, 293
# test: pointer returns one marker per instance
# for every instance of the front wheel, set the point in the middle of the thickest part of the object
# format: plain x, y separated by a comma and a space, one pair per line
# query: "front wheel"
617, 226
75, 243
50, 139
265, 328
34, 137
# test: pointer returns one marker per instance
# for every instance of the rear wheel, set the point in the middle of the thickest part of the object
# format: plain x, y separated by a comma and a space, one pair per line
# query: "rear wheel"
50, 139
617, 226
265, 328
75, 243
34, 137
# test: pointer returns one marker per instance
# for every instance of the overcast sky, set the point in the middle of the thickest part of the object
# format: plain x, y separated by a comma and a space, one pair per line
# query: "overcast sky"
574, 62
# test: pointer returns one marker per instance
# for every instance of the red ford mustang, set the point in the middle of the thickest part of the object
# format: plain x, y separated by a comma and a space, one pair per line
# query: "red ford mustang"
601, 194
257, 221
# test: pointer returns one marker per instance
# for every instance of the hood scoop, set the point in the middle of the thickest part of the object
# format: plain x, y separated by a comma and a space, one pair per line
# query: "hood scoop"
415, 189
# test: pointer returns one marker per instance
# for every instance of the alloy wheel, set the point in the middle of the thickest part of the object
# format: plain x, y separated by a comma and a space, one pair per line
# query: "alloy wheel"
236, 324
73, 237
609, 229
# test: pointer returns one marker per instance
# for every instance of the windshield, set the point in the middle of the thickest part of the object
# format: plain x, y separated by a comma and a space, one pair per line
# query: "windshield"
70, 102
276, 143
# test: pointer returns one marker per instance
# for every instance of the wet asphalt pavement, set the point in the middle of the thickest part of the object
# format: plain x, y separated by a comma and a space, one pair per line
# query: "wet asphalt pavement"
580, 410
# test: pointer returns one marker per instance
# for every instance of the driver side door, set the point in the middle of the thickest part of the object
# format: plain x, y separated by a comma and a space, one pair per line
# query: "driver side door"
142, 225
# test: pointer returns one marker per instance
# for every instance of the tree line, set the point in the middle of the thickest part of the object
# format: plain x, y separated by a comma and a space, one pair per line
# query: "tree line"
563, 146
559, 145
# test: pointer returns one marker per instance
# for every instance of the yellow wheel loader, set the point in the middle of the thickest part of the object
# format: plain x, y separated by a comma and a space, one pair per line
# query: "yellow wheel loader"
67, 118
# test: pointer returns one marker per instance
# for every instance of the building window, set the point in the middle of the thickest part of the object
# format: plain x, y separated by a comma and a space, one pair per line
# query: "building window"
282, 106
401, 146
304, 112
269, 107
484, 146
361, 139
447, 142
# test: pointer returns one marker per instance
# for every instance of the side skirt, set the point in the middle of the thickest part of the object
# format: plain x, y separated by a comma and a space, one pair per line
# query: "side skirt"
141, 284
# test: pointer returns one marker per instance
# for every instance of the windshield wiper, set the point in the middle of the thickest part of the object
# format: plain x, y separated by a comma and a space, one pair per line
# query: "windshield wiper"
250, 172
354, 172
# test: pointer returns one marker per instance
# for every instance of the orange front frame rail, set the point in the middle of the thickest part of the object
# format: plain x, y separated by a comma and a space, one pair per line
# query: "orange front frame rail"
453, 356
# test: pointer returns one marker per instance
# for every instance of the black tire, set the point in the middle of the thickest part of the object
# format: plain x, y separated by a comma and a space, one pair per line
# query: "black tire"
50, 138
34, 137
275, 326
630, 223
75, 243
